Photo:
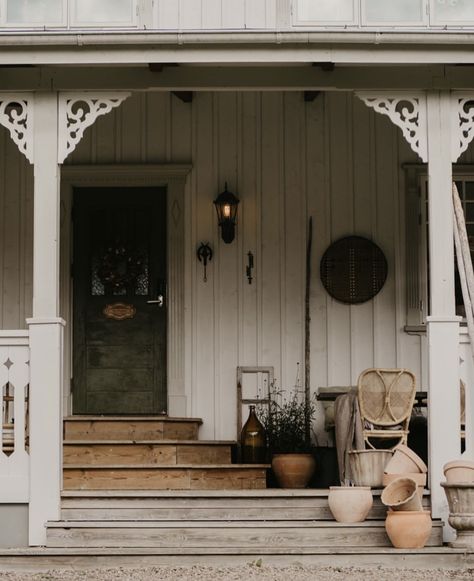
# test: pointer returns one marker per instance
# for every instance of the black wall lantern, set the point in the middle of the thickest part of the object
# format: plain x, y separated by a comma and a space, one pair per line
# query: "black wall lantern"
226, 207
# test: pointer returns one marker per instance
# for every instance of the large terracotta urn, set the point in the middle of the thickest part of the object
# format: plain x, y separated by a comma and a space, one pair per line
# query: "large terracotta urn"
293, 470
350, 504
460, 497
408, 529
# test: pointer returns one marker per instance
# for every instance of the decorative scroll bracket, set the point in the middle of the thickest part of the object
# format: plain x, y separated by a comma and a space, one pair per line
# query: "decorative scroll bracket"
462, 128
407, 110
16, 115
78, 111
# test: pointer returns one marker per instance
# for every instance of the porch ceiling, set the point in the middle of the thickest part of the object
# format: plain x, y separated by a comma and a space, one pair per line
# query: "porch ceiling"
196, 77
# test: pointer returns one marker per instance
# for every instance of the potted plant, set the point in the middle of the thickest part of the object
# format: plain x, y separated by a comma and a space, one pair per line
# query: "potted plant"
286, 424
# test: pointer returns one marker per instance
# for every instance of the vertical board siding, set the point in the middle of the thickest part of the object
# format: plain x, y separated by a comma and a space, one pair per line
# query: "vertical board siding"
216, 14
332, 159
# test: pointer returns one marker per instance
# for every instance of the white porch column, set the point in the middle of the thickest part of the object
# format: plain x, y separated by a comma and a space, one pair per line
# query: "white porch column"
46, 328
443, 325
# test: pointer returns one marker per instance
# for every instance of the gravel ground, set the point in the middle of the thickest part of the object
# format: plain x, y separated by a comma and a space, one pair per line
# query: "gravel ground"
250, 572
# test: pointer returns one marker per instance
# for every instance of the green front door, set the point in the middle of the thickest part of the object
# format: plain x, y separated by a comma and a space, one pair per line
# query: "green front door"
119, 270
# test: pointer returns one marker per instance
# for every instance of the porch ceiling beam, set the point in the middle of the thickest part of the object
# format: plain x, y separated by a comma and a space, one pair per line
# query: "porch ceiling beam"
114, 54
220, 78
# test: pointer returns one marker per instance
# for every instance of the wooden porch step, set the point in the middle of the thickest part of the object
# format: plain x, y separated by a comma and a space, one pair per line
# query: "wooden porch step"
218, 534
158, 452
250, 505
45, 559
130, 428
176, 477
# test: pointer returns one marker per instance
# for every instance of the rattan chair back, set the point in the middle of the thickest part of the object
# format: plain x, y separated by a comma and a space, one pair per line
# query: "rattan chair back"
386, 398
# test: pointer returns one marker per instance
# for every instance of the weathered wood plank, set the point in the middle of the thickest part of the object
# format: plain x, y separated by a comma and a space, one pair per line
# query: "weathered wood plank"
227, 535
131, 429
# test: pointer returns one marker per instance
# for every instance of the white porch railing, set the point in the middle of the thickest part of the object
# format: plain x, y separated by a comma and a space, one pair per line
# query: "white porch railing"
467, 376
14, 385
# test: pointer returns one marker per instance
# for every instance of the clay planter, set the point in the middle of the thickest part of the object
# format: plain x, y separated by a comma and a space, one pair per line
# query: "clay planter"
349, 504
402, 494
459, 471
293, 470
405, 461
420, 480
367, 466
408, 529
461, 512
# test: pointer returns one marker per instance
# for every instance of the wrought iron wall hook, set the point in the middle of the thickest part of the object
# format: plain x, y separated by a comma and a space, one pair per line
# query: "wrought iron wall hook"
204, 254
248, 270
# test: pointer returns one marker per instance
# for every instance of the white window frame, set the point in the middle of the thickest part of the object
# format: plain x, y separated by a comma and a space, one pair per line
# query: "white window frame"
360, 19
424, 22
340, 23
417, 275
139, 8
447, 23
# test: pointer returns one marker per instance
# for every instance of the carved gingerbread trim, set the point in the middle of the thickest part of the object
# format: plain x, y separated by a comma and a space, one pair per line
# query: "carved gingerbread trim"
462, 123
407, 110
78, 111
16, 115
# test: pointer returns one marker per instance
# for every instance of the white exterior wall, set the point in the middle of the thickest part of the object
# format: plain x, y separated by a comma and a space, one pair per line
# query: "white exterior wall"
333, 159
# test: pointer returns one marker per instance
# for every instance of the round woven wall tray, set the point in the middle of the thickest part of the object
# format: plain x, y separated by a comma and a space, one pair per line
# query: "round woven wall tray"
353, 270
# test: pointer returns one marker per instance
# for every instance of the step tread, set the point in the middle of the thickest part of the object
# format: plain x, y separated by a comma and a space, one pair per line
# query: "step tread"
68, 524
176, 494
166, 466
130, 419
149, 442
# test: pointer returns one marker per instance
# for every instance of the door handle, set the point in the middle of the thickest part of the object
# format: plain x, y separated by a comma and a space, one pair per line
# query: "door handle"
159, 301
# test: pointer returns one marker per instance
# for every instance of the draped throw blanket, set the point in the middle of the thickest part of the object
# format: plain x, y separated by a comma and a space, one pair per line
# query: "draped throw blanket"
349, 434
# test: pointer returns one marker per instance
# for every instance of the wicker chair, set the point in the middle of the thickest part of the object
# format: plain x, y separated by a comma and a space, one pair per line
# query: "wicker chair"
386, 398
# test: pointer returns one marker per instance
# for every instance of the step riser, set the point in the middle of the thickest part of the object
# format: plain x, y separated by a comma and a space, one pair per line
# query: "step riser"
132, 454
163, 479
130, 430
225, 537
202, 514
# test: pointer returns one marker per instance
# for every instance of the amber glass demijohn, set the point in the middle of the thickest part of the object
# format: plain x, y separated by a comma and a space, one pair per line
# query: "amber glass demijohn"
253, 440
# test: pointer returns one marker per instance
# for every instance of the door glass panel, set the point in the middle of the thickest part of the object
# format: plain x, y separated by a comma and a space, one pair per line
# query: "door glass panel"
103, 11
326, 10
394, 11
34, 11
453, 11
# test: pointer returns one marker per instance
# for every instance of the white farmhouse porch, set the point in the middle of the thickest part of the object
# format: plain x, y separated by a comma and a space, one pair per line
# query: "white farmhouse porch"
330, 157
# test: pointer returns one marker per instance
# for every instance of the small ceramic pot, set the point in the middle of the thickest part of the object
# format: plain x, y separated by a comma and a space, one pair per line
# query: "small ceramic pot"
405, 461
293, 470
419, 478
459, 471
349, 504
408, 530
367, 466
402, 494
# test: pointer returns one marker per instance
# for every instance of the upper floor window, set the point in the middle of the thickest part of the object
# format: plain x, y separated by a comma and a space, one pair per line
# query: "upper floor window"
384, 12
74, 13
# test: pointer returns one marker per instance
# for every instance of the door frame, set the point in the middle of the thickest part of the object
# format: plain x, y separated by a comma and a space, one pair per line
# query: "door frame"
173, 178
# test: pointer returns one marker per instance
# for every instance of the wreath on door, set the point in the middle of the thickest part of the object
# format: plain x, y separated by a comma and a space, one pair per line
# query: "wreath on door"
120, 266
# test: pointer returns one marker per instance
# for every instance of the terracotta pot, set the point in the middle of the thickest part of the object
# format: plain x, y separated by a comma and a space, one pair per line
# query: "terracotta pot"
405, 461
350, 504
367, 466
420, 480
402, 494
461, 512
459, 471
293, 470
408, 530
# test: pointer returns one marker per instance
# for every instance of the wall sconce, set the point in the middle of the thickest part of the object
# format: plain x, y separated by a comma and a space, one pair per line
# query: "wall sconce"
226, 207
